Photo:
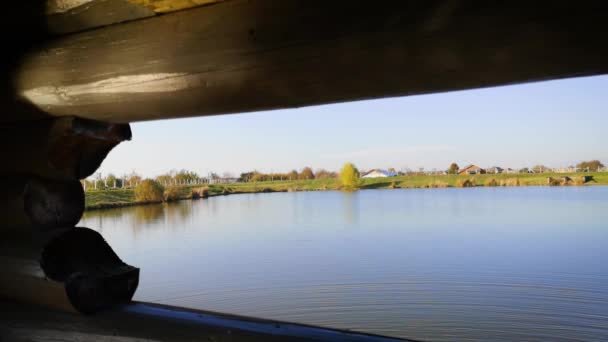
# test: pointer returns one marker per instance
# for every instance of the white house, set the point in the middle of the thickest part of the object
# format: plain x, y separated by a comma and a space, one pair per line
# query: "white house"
379, 173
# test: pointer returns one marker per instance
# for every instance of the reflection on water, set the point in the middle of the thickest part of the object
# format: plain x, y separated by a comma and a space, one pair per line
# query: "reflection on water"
436, 264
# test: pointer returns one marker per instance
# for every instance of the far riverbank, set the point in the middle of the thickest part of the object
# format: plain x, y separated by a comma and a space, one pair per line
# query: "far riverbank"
113, 198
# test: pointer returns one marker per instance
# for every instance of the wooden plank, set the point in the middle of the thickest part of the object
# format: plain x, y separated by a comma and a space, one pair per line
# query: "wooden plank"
93, 14
69, 16
241, 56
167, 6
153, 322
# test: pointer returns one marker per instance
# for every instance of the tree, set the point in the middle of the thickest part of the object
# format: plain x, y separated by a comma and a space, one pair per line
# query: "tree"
540, 168
165, 179
185, 176
593, 165
324, 174
349, 176
133, 178
149, 191
110, 179
293, 175
307, 173
246, 176
453, 169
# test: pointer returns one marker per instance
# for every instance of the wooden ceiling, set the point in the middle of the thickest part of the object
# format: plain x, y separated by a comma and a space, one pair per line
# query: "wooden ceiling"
194, 58
69, 16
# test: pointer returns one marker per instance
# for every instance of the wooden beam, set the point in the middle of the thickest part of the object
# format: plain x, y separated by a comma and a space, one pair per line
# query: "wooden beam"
80, 15
241, 56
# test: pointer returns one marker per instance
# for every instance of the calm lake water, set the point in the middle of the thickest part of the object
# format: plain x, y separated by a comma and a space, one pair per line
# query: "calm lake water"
524, 263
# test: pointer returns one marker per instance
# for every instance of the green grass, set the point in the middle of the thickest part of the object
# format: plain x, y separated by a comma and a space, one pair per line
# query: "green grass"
97, 199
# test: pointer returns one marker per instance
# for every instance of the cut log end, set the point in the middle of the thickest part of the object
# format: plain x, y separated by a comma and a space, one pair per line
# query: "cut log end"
50, 204
94, 276
79, 149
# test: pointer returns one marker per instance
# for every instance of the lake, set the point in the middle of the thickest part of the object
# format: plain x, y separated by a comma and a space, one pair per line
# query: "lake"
518, 263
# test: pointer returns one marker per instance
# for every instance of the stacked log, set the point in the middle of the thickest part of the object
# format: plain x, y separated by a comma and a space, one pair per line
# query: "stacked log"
46, 260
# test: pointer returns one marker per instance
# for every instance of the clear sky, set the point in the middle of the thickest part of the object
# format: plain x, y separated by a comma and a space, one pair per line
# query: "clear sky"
556, 123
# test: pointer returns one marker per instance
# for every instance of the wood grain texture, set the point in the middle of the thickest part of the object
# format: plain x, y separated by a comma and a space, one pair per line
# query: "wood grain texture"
240, 56
69, 16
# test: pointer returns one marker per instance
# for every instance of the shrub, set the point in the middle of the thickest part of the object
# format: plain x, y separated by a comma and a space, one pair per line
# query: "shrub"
466, 183
202, 192
492, 182
560, 181
171, 194
437, 184
149, 191
510, 182
579, 180
349, 176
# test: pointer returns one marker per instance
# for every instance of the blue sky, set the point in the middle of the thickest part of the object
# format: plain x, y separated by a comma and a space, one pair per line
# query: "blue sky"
556, 123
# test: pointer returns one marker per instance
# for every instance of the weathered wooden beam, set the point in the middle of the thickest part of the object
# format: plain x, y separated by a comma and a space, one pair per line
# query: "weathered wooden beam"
239, 56
81, 15
58, 148
35, 204
91, 14
71, 269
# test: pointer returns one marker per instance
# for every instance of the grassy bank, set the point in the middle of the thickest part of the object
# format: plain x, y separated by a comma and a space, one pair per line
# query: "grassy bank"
99, 199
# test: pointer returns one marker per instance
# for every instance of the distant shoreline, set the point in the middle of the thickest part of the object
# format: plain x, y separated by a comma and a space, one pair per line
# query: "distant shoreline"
118, 198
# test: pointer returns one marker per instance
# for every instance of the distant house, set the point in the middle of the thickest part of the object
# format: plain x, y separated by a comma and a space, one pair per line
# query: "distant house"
510, 170
471, 170
495, 170
379, 173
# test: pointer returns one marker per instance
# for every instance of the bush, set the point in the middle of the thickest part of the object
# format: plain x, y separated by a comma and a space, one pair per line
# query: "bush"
202, 192
492, 182
171, 194
561, 181
149, 191
466, 183
510, 182
437, 184
349, 176
579, 180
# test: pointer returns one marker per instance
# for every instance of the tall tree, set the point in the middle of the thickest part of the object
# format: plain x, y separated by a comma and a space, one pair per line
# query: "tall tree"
324, 174
453, 169
110, 180
593, 165
540, 168
307, 173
